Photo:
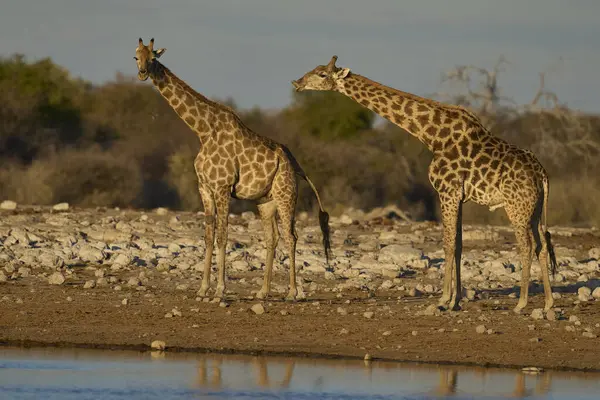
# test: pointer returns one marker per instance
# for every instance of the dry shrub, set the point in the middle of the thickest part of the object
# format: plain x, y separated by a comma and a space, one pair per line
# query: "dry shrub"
83, 178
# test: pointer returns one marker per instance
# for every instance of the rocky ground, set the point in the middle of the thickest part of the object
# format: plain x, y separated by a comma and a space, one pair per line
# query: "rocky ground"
124, 278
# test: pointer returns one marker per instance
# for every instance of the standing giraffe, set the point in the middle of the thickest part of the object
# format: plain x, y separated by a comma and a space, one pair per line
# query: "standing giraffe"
234, 162
469, 163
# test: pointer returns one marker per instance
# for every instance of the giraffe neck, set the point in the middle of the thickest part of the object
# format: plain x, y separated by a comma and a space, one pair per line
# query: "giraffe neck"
197, 111
427, 120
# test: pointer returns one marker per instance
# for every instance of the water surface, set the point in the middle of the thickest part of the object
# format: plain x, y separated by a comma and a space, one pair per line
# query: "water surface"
100, 374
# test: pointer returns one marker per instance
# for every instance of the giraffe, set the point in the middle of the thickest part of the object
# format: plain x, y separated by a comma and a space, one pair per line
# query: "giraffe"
469, 164
234, 162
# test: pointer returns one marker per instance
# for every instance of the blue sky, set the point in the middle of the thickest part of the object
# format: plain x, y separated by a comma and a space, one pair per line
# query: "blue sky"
250, 50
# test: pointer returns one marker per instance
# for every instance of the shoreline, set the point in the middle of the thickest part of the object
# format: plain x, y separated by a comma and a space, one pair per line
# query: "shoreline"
112, 279
143, 348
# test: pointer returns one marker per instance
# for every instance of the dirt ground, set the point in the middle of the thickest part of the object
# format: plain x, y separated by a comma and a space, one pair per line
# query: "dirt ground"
327, 323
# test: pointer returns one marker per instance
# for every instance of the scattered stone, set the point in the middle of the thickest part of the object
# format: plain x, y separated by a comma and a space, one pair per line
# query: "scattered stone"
368, 314
596, 293
56, 278
61, 207
573, 318
342, 311
161, 211
125, 302
470, 294
89, 284
343, 331
8, 205
387, 333
537, 313
551, 315
258, 309
480, 329
346, 220
414, 333
158, 345
134, 281
284, 312
570, 328
588, 334
532, 370
535, 340
584, 293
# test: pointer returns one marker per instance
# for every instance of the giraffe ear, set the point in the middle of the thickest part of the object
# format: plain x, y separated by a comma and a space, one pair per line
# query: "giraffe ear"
158, 53
342, 73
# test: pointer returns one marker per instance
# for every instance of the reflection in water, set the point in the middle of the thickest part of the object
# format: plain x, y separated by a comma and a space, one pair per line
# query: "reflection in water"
262, 375
67, 373
210, 375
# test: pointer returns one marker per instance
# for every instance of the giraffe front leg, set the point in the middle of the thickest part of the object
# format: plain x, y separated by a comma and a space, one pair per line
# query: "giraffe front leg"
450, 206
267, 213
209, 238
286, 213
457, 292
222, 207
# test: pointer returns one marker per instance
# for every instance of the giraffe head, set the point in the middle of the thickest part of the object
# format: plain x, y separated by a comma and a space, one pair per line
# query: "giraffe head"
145, 57
323, 77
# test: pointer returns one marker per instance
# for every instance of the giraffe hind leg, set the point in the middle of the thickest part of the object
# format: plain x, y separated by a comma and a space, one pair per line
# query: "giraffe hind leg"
285, 193
541, 251
520, 219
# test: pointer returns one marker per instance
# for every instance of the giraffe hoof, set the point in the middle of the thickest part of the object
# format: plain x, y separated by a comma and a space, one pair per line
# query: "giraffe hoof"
517, 310
202, 292
219, 293
290, 297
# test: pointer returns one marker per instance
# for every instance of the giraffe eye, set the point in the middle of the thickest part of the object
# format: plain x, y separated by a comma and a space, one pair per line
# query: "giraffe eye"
323, 75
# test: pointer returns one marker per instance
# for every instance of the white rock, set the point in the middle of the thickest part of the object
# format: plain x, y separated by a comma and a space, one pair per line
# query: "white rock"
368, 314
596, 293
161, 211
8, 205
399, 254
123, 259
56, 279
158, 345
90, 254
584, 293
345, 220
134, 281
537, 313
248, 216
174, 248
89, 284
61, 207
480, 329
594, 253
258, 309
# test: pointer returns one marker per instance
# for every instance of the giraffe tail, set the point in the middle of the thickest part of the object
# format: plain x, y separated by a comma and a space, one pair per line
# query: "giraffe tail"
547, 236
323, 215
323, 220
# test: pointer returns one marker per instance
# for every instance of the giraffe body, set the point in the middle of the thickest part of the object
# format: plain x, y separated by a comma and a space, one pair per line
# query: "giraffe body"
469, 164
233, 161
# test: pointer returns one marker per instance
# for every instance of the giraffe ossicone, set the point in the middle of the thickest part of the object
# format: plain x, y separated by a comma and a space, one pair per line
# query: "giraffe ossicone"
234, 161
469, 164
